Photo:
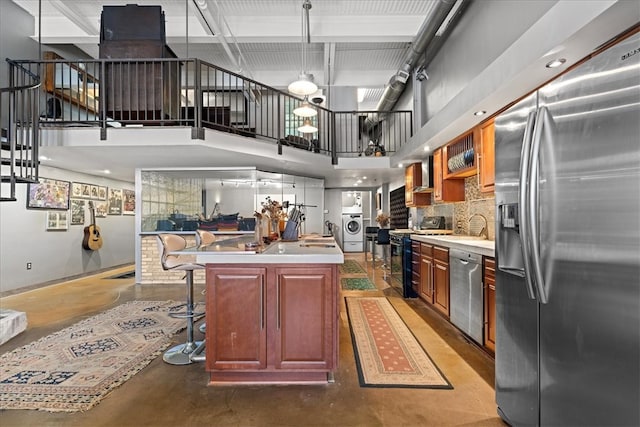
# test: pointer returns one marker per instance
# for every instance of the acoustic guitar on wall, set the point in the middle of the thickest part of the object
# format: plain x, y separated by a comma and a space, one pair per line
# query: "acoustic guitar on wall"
92, 238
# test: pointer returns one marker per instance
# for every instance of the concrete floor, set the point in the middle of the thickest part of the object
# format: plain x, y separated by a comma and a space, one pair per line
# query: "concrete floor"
165, 395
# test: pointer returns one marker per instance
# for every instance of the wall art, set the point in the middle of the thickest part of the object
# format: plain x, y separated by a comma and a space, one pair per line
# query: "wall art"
48, 194
57, 221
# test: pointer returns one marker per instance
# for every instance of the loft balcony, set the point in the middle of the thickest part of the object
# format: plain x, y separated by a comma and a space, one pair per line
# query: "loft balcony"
173, 92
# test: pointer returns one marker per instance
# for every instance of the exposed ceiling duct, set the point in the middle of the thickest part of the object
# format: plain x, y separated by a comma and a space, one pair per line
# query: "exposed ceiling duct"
430, 35
432, 23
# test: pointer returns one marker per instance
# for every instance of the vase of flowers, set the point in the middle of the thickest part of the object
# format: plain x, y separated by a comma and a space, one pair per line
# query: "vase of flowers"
273, 209
383, 219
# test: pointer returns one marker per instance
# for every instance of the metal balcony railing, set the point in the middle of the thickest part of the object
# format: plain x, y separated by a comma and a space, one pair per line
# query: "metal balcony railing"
19, 124
189, 92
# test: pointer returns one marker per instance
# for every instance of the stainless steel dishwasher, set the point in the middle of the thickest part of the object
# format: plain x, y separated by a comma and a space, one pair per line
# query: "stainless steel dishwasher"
466, 293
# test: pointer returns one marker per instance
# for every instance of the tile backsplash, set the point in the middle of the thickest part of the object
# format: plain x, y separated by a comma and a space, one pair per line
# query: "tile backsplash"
458, 214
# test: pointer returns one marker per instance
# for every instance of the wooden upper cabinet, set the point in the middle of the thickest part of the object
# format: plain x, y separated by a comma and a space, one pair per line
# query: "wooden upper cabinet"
486, 158
445, 190
412, 179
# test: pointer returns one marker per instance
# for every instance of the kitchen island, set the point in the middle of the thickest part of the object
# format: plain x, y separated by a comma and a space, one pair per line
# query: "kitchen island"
271, 312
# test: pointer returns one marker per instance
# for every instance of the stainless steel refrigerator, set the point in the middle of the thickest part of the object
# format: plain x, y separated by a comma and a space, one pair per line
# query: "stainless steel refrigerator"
568, 247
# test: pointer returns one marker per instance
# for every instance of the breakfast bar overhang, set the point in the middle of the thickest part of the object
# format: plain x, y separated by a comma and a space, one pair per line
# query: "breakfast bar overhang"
271, 312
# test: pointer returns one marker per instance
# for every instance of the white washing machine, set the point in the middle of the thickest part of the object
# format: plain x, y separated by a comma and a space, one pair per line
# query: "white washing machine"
352, 232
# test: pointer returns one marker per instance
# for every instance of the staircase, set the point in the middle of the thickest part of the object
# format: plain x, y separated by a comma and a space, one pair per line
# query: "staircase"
19, 124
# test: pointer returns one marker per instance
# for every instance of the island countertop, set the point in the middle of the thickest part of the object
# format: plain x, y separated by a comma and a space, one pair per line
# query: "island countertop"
310, 249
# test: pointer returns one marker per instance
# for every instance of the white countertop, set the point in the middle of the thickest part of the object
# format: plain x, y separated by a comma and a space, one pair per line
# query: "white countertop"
466, 243
312, 250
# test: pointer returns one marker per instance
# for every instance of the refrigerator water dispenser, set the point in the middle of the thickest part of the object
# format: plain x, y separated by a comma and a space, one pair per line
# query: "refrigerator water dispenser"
510, 258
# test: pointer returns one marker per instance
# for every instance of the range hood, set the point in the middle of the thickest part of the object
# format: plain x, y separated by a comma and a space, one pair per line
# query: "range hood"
427, 177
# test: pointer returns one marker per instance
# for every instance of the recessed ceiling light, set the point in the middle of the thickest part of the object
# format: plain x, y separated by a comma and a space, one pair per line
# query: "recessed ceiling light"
107, 171
355, 185
364, 177
427, 148
42, 158
480, 113
399, 165
556, 63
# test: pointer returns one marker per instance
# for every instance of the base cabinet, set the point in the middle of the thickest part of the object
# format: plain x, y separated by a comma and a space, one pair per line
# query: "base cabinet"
271, 323
426, 272
441, 279
490, 303
434, 277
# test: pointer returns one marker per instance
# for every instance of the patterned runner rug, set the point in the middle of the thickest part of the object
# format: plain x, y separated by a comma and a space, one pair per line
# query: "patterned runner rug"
387, 353
71, 370
350, 266
357, 284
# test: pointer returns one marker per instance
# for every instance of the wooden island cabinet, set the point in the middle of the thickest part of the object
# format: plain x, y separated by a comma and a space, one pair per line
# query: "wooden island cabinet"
272, 317
271, 323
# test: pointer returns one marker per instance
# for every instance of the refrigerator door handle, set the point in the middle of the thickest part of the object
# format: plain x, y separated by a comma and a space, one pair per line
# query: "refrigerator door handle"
534, 219
523, 198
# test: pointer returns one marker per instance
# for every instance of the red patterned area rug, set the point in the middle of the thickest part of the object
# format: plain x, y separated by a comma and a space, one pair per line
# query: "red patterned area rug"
387, 353
73, 369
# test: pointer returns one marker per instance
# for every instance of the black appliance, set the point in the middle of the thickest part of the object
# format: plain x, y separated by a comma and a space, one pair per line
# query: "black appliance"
401, 255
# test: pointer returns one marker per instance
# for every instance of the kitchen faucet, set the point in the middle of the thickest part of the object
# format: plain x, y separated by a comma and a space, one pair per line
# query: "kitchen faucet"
484, 232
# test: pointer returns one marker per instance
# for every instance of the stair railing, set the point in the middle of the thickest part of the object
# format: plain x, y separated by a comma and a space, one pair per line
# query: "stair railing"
20, 130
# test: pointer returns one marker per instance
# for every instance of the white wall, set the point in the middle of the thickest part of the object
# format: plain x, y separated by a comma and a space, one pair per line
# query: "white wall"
484, 31
56, 255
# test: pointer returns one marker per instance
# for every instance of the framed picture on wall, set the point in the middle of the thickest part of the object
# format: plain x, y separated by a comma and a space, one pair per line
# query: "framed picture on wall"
82, 190
378, 201
48, 194
77, 211
76, 190
102, 193
115, 202
57, 221
101, 209
128, 202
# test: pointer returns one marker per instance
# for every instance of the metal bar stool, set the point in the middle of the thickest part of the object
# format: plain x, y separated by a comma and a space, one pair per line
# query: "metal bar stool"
370, 235
167, 243
383, 239
204, 238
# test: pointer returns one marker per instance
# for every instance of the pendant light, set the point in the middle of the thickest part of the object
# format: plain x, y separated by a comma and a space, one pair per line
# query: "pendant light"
304, 85
307, 127
305, 109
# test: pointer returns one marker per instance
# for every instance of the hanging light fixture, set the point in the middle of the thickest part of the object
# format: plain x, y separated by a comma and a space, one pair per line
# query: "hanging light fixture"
307, 127
304, 85
305, 109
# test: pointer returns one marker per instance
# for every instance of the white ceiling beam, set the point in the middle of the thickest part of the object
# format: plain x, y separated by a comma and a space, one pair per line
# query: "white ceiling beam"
213, 22
73, 16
